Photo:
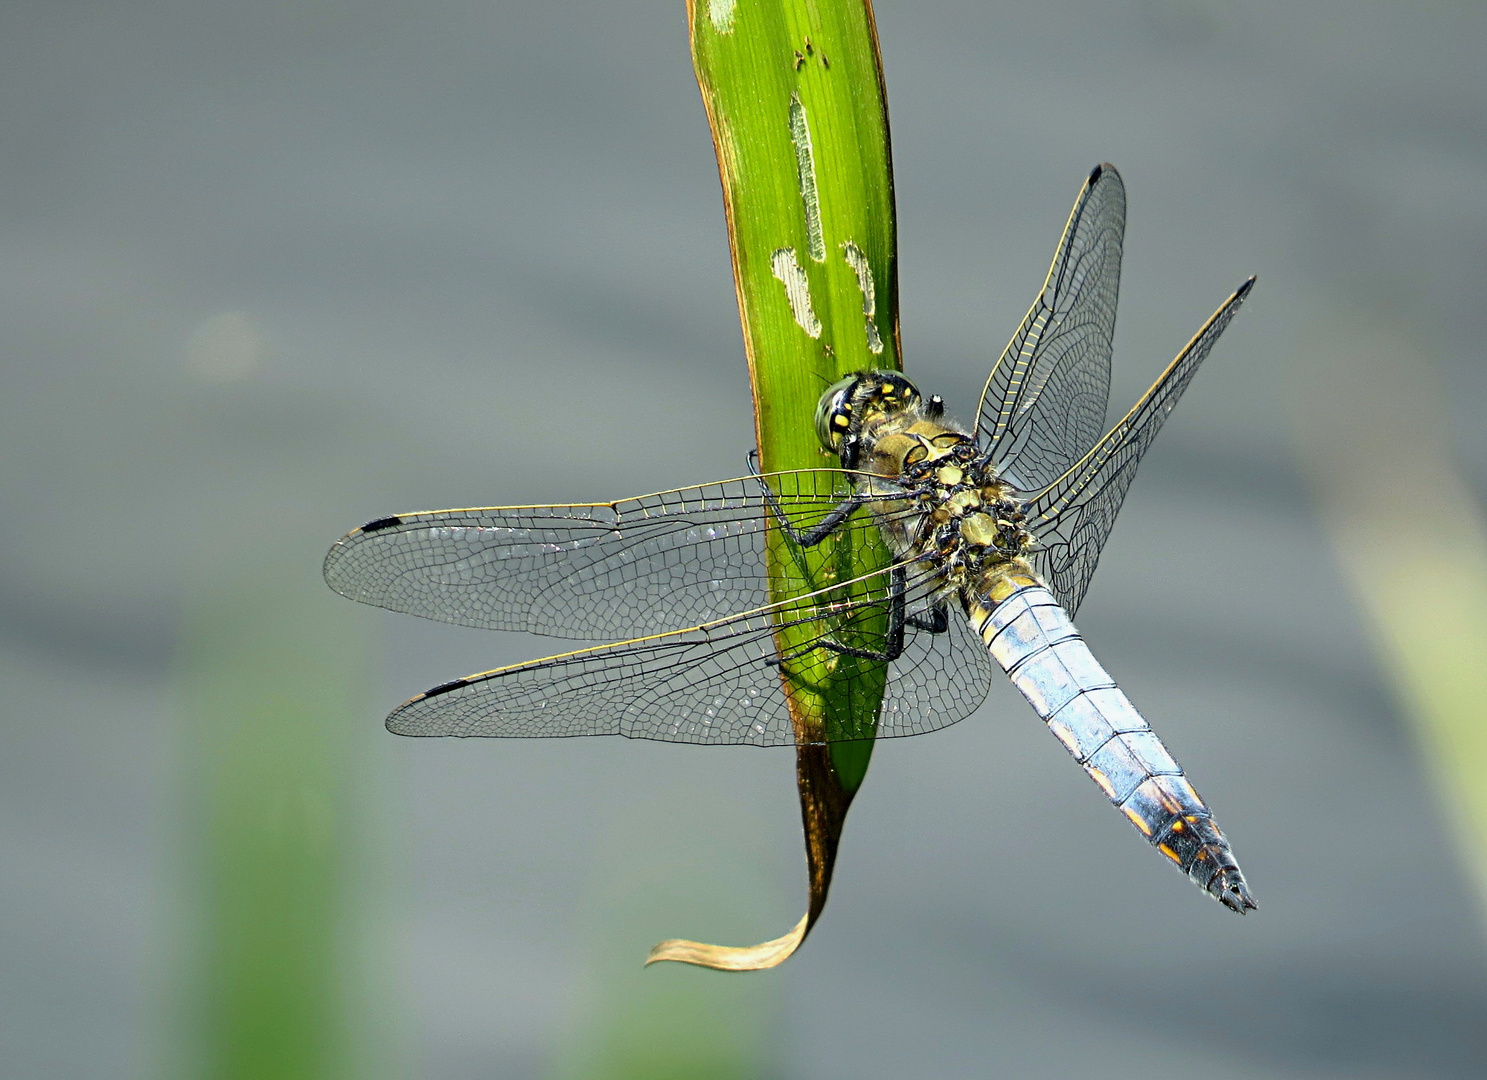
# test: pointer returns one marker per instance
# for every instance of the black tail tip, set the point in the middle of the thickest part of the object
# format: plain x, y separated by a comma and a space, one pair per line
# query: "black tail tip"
1229, 889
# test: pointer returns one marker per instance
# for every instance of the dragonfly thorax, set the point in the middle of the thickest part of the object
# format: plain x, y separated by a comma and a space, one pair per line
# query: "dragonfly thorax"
968, 520
953, 509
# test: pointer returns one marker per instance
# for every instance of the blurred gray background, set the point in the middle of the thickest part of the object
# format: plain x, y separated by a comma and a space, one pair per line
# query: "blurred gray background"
271, 270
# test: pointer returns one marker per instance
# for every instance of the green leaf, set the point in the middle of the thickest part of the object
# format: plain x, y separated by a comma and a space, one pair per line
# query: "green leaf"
794, 96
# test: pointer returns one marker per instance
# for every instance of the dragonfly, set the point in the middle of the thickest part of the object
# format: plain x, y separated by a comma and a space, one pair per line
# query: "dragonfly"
983, 544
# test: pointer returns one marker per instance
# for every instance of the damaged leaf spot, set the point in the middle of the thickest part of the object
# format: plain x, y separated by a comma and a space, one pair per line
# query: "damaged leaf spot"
720, 14
805, 173
857, 260
787, 269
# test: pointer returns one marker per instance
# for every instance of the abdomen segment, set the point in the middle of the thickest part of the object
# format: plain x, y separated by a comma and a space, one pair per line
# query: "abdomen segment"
1035, 642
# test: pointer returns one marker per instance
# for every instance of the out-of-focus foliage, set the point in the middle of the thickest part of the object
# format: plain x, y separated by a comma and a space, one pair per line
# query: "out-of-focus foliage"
669, 1021
270, 683
1371, 424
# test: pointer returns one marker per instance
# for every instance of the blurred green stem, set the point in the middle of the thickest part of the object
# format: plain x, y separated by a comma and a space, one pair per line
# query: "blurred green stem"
269, 679
1370, 422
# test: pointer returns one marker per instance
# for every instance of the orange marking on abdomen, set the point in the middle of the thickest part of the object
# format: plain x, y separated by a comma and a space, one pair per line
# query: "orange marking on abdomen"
1137, 820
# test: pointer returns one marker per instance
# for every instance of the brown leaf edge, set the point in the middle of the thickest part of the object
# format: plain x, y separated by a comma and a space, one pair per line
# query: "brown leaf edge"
823, 810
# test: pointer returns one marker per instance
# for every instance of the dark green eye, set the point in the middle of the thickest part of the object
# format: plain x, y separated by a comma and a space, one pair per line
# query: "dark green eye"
867, 391
834, 413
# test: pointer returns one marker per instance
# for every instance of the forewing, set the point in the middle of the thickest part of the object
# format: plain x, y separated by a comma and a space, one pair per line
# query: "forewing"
592, 571
1073, 516
1044, 403
714, 684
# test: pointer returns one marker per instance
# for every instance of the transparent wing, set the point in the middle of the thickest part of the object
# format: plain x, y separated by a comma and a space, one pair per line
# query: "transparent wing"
592, 571
1044, 403
722, 682
1073, 516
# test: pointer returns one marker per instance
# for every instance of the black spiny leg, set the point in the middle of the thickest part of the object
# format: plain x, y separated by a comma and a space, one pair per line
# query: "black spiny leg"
896, 623
937, 623
806, 538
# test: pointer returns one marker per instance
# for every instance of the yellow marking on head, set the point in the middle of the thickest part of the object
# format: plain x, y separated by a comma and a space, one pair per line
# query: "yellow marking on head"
840, 421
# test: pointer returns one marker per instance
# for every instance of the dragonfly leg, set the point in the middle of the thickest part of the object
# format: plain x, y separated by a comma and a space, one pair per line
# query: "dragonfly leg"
896, 622
937, 623
812, 536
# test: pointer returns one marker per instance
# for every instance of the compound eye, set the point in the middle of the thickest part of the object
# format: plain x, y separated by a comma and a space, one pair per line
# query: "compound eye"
834, 413
895, 390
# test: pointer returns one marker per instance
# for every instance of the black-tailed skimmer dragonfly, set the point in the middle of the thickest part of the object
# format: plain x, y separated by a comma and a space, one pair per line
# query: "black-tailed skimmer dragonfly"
1005, 525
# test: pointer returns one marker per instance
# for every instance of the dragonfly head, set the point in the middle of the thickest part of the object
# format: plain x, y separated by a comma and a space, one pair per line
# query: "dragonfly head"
847, 406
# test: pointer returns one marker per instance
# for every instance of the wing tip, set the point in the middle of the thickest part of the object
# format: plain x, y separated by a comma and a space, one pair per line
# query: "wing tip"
339, 548
1244, 290
1100, 170
395, 722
